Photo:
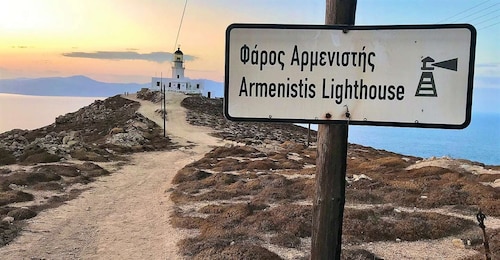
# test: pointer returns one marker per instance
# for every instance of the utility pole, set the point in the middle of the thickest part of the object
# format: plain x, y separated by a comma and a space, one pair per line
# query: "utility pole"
163, 104
164, 111
328, 204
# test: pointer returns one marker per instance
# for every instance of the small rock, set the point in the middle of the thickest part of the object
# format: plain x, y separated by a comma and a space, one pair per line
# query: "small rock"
458, 243
8, 220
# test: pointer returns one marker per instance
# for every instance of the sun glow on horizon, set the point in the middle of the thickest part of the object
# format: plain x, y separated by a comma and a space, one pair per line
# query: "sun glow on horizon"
35, 34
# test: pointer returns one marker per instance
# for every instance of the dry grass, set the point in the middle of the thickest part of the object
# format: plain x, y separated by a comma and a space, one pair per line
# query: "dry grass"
6, 157
386, 224
11, 196
268, 192
494, 242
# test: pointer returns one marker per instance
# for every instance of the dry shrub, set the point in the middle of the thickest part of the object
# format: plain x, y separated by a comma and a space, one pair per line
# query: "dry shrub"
490, 207
358, 254
280, 189
307, 171
277, 156
228, 164
91, 169
193, 246
218, 231
404, 197
419, 226
180, 197
285, 239
48, 186
8, 232
11, 196
303, 188
214, 239
21, 213
291, 218
186, 222
220, 194
240, 252
230, 217
265, 164
234, 151
389, 162
80, 179
381, 224
253, 185
290, 164
448, 194
29, 178
405, 184
293, 147
189, 174
204, 163
212, 209
219, 179
272, 195
488, 177
393, 162
494, 242
62, 170
84, 155
363, 196
6, 157
427, 171
37, 156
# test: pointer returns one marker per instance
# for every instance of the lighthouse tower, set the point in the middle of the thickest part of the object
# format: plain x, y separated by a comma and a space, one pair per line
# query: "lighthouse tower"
178, 83
178, 65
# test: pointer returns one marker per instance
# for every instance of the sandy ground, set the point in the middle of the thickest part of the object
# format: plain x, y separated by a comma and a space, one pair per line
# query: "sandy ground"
124, 215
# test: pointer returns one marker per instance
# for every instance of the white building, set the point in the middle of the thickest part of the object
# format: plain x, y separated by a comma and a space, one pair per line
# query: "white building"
178, 83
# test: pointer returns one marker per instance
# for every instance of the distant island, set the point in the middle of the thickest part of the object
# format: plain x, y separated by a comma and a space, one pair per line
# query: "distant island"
83, 86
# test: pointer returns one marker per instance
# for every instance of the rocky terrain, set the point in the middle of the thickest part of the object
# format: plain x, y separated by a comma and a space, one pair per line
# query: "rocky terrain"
46, 166
256, 200
253, 200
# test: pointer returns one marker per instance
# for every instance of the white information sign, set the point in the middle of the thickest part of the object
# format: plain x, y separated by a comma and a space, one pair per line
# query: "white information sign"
416, 76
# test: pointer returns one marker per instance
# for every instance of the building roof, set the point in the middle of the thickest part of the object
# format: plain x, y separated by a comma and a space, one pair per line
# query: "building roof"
178, 51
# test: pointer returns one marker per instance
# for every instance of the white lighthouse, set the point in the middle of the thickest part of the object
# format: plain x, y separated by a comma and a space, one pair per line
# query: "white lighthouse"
178, 83
178, 64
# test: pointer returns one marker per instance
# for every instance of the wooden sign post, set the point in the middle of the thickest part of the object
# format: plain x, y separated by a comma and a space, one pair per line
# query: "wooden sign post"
328, 204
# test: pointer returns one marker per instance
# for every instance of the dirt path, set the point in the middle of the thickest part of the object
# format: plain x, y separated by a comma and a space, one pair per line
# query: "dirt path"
124, 215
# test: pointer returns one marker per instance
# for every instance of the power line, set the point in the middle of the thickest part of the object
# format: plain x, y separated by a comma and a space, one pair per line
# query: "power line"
466, 10
491, 18
488, 26
484, 16
180, 24
474, 13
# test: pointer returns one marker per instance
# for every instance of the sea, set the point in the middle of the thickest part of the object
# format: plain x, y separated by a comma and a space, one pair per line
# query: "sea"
31, 112
479, 142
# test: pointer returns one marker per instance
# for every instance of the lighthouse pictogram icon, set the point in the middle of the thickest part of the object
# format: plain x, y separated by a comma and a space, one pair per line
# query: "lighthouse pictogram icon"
427, 85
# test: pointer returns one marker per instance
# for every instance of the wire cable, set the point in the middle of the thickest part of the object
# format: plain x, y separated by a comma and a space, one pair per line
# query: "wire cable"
180, 24
488, 26
487, 20
468, 9
487, 8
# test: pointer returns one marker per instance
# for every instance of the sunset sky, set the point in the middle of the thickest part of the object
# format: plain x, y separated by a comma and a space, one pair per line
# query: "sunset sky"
131, 40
